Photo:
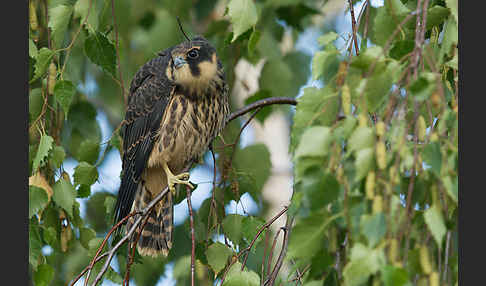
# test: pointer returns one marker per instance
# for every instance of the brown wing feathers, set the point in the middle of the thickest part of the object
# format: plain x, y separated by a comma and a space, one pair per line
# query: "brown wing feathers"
149, 95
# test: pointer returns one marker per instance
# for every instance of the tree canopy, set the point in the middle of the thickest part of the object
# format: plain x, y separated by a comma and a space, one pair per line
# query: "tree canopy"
372, 115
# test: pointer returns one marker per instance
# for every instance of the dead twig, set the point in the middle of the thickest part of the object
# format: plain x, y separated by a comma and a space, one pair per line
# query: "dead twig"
353, 24
273, 275
261, 103
193, 239
124, 95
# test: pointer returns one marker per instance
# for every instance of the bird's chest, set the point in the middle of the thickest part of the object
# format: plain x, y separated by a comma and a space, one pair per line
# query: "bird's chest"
188, 128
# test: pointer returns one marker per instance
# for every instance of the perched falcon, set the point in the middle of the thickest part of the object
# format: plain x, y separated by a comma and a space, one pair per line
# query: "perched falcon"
178, 104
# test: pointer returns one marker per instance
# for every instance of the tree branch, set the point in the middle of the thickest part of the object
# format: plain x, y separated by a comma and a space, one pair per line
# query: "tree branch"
193, 239
261, 103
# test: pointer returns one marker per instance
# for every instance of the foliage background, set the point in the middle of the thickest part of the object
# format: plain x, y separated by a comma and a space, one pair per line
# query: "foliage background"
373, 138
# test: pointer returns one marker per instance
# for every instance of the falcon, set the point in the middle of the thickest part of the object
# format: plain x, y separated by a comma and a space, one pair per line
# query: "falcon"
178, 103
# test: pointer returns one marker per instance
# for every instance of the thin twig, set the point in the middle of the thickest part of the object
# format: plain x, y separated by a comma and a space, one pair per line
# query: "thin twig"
100, 248
241, 131
353, 24
266, 225
193, 239
246, 250
86, 269
144, 213
115, 27
267, 235
212, 206
68, 48
261, 103
270, 254
133, 247
283, 252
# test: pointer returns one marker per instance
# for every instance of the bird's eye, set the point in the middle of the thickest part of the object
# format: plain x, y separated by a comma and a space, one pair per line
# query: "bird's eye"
193, 54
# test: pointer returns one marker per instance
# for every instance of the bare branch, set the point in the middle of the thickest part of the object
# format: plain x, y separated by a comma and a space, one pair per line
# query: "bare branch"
193, 239
353, 23
288, 225
261, 103
118, 53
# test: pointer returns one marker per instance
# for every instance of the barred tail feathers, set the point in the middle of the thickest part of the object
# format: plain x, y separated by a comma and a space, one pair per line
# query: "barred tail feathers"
156, 238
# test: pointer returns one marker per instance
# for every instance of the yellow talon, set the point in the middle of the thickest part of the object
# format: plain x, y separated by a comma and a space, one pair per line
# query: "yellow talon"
172, 179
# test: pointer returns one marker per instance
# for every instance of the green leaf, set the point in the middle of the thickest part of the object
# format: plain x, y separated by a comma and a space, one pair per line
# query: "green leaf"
327, 38
232, 226
363, 137
276, 77
293, 15
433, 157
101, 52
44, 275
449, 38
35, 246
38, 200
320, 188
454, 62
436, 15
109, 204
307, 236
402, 48
81, 9
396, 7
35, 103
50, 236
249, 228
218, 255
43, 60
44, 146
181, 266
85, 235
364, 162
59, 17
251, 176
264, 112
64, 92
57, 157
378, 86
452, 4
243, 15
315, 107
385, 22
451, 187
64, 195
394, 276
373, 227
253, 41
85, 174
32, 49
325, 63
435, 223
423, 87
88, 151
236, 277
114, 276
364, 262
314, 142
332, 278
298, 63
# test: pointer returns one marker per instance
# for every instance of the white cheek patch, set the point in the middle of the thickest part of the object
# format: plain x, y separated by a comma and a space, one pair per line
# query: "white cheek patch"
208, 69
183, 75
198, 84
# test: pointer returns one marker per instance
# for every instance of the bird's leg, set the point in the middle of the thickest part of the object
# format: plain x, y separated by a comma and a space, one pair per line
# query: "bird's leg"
172, 179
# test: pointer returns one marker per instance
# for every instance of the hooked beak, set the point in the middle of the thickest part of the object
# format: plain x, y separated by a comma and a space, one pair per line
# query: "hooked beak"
179, 62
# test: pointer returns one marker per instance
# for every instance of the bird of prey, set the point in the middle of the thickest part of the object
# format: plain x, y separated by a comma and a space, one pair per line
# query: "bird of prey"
178, 104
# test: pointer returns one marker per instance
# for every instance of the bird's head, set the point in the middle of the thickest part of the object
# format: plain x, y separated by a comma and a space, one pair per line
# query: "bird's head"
194, 64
